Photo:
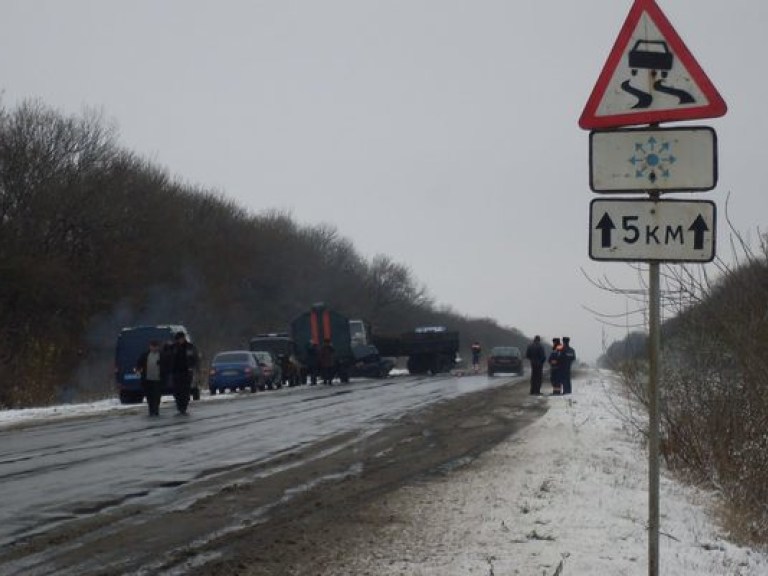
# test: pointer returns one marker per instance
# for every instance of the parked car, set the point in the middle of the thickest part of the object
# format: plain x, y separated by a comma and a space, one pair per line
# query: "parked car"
273, 377
131, 342
369, 363
283, 348
505, 359
235, 370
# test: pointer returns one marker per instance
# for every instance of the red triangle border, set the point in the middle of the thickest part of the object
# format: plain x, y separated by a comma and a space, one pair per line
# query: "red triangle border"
715, 108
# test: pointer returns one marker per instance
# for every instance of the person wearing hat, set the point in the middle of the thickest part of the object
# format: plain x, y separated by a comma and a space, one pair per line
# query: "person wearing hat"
536, 356
568, 357
184, 362
555, 367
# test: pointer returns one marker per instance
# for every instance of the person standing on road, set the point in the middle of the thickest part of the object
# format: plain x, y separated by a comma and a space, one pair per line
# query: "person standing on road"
536, 356
312, 362
568, 358
152, 369
184, 362
476, 353
555, 367
327, 362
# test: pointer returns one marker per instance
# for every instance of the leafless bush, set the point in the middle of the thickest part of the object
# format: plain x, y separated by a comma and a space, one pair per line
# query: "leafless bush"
94, 238
714, 383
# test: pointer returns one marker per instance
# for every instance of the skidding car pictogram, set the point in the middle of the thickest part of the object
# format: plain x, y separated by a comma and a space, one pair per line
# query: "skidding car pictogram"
642, 56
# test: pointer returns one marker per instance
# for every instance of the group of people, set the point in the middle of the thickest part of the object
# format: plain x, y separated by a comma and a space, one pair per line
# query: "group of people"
321, 360
560, 360
171, 363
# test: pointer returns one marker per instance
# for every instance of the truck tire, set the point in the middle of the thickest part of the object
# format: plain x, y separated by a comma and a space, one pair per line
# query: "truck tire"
418, 364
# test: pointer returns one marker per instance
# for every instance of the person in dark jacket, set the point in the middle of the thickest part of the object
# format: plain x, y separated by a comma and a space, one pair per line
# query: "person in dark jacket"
327, 362
312, 362
555, 367
184, 362
476, 352
568, 357
153, 374
537, 357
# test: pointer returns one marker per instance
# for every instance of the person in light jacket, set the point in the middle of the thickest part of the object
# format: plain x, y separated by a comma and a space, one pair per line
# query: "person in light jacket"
153, 372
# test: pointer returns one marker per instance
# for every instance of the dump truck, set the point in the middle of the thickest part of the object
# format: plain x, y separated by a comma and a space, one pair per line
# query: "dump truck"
430, 349
321, 324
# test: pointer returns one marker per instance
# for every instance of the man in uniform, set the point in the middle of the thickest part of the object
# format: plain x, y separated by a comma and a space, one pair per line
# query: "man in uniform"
555, 367
183, 364
568, 357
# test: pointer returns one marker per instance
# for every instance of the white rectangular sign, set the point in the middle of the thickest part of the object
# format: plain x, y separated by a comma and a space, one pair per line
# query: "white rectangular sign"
671, 159
647, 230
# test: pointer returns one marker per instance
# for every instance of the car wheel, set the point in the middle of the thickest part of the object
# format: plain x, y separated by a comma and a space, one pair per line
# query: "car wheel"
128, 398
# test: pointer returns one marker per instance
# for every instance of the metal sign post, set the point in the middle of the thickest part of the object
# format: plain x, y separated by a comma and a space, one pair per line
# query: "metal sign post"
654, 352
651, 77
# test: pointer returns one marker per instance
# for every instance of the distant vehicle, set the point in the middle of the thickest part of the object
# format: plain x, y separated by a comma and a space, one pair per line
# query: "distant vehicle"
321, 324
505, 359
270, 367
430, 349
369, 363
131, 342
358, 333
283, 348
234, 370
651, 55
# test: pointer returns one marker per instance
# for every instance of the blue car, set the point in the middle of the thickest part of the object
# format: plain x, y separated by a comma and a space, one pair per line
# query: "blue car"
234, 370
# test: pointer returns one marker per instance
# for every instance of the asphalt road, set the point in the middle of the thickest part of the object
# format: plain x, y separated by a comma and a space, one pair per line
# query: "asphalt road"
121, 493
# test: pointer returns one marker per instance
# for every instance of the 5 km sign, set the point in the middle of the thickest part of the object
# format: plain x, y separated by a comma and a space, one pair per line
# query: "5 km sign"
652, 230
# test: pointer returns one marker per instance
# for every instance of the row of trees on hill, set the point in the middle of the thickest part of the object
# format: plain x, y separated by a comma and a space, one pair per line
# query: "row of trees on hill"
94, 237
714, 385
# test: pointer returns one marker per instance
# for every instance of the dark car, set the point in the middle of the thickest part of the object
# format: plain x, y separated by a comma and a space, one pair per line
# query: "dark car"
234, 370
283, 349
131, 343
369, 363
505, 359
269, 365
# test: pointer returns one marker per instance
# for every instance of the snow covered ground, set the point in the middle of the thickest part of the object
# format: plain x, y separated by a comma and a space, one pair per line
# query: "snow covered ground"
568, 496
571, 489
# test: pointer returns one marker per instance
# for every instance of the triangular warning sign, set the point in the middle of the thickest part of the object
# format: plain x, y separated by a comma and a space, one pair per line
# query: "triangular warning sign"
650, 76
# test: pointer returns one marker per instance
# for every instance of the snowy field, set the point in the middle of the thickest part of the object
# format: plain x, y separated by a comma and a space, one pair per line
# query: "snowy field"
568, 496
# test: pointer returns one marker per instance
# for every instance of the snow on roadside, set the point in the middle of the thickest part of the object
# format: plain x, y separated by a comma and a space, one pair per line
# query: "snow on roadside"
15, 417
570, 489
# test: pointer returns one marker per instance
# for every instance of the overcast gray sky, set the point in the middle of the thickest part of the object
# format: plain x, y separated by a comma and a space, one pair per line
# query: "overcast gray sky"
440, 132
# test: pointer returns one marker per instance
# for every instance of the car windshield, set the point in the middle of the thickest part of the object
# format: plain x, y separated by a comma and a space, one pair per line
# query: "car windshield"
263, 357
231, 358
505, 351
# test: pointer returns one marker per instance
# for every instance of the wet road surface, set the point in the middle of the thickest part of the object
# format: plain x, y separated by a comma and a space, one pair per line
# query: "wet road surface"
126, 494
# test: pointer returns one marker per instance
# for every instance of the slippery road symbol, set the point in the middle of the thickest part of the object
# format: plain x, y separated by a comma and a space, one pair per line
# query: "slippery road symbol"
653, 55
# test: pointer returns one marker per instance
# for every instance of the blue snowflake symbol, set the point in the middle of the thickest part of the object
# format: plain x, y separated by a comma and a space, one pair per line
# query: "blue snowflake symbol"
652, 159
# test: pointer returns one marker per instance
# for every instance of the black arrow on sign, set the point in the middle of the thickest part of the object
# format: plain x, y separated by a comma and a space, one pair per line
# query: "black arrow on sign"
606, 225
699, 226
